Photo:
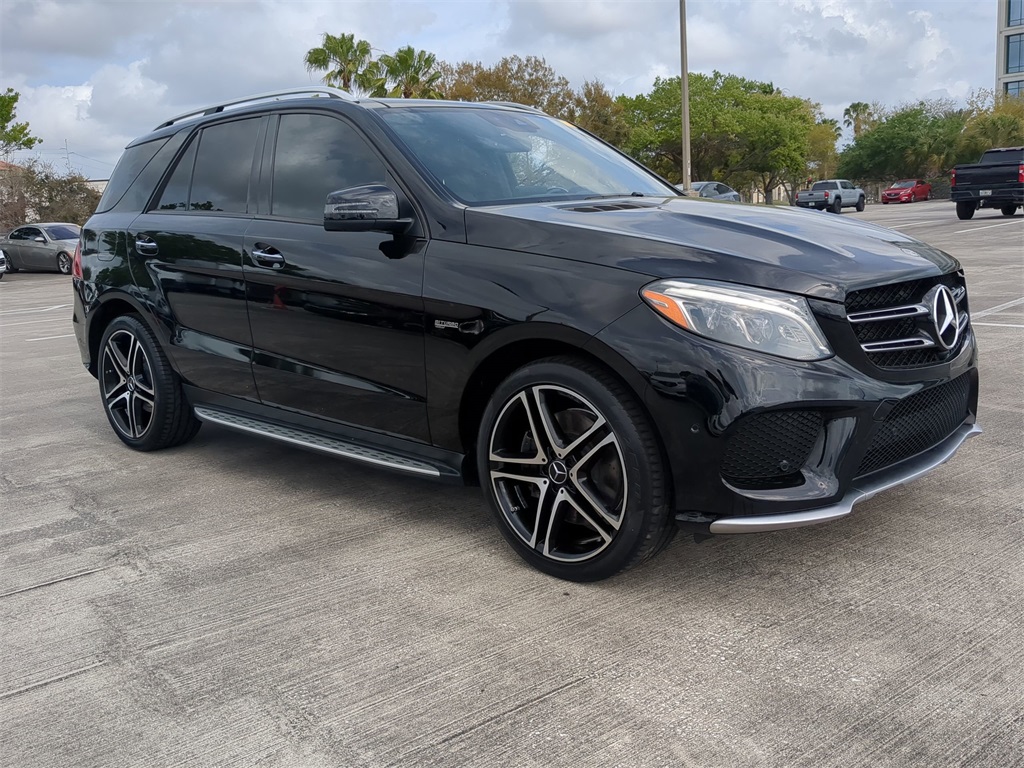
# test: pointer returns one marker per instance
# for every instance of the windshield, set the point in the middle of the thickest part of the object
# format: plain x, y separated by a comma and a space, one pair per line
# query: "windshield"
486, 156
63, 232
903, 185
818, 185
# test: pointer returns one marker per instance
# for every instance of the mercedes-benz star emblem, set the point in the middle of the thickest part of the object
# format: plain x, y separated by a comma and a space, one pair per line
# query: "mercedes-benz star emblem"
558, 472
946, 317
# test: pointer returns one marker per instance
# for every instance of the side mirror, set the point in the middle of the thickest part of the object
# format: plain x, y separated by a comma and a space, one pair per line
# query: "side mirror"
39, 239
367, 208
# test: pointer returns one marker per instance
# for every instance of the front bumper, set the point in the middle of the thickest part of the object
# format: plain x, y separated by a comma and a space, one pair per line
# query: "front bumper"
861, 490
726, 416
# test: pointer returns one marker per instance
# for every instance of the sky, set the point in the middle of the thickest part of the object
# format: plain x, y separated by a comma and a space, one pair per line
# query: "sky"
98, 73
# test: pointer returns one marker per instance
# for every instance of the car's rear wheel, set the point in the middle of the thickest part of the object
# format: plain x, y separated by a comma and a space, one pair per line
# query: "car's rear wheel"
965, 210
63, 263
1008, 210
141, 394
837, 205
573, 471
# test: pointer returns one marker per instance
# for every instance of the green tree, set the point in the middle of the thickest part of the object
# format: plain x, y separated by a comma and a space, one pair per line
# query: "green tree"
13, 136
342, 59
595, 110
408, 73
528, 81
860, 116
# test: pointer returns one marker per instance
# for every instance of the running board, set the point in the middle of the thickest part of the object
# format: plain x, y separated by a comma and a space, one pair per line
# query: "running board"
335, 446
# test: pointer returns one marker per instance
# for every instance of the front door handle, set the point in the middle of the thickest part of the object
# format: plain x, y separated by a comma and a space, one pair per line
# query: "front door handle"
267, 256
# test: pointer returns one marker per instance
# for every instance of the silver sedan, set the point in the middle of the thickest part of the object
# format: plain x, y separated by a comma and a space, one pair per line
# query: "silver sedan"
49, 246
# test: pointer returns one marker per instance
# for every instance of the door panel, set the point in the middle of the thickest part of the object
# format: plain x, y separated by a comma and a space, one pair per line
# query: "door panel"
337, 317
188, 252
338, 329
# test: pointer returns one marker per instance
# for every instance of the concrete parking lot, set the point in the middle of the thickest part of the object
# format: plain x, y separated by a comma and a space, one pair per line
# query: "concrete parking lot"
240, 603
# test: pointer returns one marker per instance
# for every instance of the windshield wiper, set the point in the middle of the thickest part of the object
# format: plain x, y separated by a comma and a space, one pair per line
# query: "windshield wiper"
617, 194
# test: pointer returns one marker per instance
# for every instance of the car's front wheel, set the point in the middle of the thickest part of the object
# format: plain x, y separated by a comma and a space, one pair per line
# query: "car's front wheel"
1008, 210
63, 263
141, 394
573, 471
860, 203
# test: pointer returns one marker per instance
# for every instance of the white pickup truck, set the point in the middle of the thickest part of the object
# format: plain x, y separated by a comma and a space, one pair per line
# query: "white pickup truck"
831, 195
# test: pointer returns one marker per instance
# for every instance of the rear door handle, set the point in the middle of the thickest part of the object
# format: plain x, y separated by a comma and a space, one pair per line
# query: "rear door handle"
146, 245
267, 256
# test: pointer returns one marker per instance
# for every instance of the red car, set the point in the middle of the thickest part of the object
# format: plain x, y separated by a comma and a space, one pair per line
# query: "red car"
907, 191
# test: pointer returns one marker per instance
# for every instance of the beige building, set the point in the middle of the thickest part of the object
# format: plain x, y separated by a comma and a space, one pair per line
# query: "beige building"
1010, 47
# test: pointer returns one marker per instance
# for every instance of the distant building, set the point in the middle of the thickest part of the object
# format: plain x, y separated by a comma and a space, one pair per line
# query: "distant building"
98, 184
1010, 47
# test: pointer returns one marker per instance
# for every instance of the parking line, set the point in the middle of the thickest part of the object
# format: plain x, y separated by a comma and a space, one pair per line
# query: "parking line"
32, 309
990, 226
998, 308
46, 338
1000, 325
911, 224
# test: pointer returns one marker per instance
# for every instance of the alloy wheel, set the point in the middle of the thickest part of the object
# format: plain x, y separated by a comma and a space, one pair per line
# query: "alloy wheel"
557, 472
126, 381
64, 264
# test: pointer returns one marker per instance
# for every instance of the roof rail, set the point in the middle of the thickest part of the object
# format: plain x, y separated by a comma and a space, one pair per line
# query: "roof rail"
314, 90
517, 105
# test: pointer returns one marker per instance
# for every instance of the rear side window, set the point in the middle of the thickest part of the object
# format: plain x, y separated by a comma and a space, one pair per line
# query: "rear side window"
126, 171
316, 155
175, 195
220, 181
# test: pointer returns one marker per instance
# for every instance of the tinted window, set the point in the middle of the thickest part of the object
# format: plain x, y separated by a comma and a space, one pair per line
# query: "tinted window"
62, 233
126, 171
175, 194
1005, 156
138, 194
819, 185
316, 155
1015, 53
1015, 13
29, 233
223, 167
492, 155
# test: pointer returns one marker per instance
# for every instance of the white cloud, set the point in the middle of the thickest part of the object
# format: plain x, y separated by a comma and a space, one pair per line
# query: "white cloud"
101, 72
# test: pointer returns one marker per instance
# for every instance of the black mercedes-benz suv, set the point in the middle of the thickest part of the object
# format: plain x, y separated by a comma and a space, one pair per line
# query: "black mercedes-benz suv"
483, 293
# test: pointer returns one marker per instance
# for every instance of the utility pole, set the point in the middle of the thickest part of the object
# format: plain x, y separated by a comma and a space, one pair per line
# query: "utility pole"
67, 157
686, 95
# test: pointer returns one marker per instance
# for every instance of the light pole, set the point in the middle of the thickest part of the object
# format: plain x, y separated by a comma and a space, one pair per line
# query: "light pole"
686, 95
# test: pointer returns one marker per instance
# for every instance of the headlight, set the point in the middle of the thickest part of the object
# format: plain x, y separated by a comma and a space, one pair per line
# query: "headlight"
752, 318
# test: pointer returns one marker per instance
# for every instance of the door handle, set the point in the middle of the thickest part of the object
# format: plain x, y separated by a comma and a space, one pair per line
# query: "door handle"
267, 256
146, 245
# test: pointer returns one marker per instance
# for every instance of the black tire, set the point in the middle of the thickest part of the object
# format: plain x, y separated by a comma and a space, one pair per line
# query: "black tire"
10, 264
595, 510
965, 210
1008, 210
860, 203
837, 205
141, 394
63, 263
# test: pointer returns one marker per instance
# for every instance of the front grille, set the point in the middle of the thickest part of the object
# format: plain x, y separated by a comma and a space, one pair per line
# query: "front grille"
767, 450
917, 329
917, 423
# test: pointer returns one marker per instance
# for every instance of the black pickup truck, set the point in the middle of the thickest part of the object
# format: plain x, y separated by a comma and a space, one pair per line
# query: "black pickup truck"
995, 181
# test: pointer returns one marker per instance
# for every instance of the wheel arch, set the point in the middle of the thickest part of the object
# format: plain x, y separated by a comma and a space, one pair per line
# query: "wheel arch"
108, 310
501, 360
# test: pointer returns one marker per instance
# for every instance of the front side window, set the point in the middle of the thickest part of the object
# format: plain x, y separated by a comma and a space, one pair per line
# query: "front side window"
484, 156
1015, 53
314, 156
220, 181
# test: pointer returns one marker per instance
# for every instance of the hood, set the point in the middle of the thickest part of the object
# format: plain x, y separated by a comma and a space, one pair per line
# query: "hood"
788, 249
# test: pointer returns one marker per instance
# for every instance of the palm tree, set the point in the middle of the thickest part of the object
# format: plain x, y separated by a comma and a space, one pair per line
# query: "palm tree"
342, 58
859, 116
411, 74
